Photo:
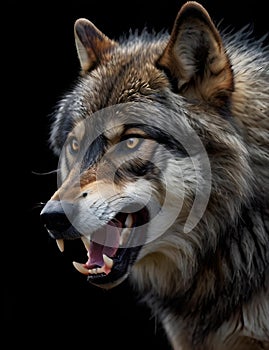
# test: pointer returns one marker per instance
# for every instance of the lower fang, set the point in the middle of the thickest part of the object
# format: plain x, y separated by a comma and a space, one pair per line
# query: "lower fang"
108, 262
80, 268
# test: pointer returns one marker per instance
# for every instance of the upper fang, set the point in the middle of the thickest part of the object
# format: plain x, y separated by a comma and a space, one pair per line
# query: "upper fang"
60, 244
129, 221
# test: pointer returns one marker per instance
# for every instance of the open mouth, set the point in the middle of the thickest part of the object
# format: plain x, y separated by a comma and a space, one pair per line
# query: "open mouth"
113, 248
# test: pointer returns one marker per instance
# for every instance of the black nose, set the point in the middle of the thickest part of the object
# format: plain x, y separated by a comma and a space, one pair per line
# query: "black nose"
56, 215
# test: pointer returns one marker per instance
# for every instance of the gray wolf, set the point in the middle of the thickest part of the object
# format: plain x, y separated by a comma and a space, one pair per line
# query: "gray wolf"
163, 146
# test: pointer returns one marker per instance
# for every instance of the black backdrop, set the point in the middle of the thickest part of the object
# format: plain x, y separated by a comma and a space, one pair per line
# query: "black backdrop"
46, 302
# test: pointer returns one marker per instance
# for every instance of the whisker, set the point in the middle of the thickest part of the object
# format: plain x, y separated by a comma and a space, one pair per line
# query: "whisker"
38, 205
45, 173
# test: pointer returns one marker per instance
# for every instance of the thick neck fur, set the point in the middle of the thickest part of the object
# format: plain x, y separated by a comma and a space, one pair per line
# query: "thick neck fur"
210, 301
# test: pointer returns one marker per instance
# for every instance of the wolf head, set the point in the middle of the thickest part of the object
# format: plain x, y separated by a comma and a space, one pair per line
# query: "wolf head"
150, 157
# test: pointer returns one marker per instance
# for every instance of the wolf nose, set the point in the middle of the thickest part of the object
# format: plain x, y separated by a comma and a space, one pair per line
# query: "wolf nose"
55, 215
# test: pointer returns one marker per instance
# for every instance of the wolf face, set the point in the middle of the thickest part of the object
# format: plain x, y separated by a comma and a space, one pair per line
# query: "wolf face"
121, 185
162, 147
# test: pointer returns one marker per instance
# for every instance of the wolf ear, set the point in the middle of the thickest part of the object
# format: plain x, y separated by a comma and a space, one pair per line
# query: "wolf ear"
91, 43
195, 58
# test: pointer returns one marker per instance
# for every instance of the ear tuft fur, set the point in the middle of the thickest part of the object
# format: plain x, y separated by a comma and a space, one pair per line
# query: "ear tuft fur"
91, 43
195, 57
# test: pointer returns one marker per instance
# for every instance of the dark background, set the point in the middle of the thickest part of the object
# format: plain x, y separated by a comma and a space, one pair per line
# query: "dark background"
46, 302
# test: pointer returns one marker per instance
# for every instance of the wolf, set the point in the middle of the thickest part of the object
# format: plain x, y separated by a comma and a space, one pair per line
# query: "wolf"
163, 146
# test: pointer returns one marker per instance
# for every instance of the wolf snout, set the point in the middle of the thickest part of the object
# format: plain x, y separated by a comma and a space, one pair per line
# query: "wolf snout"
55, 216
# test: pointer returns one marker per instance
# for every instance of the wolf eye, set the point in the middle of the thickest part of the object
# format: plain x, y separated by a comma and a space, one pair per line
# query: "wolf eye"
132, 142
73, 145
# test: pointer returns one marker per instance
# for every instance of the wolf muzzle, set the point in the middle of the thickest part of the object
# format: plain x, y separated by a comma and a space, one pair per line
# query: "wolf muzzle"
55, 216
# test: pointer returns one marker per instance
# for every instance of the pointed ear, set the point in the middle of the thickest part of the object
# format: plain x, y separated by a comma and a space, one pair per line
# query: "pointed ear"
91, 43
195, 58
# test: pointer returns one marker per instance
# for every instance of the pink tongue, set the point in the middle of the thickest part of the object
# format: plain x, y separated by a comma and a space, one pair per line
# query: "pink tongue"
104, 241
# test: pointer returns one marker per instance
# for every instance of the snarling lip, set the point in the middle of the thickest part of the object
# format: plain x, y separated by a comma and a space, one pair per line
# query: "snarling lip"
113, 248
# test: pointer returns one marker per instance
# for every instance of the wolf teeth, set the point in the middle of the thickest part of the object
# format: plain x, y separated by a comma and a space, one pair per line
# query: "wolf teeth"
106, 268
80, 268
129, 221
108, 261
125, 233
60, 244
86, 243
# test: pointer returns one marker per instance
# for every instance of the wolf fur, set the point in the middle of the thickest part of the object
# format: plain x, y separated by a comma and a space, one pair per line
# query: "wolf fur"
208, 285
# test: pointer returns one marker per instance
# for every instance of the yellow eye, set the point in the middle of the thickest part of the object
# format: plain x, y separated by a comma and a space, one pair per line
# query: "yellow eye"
74, 145
132, 142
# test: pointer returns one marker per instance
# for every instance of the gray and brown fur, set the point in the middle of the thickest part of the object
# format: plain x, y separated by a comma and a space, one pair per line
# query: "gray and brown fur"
208, 287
